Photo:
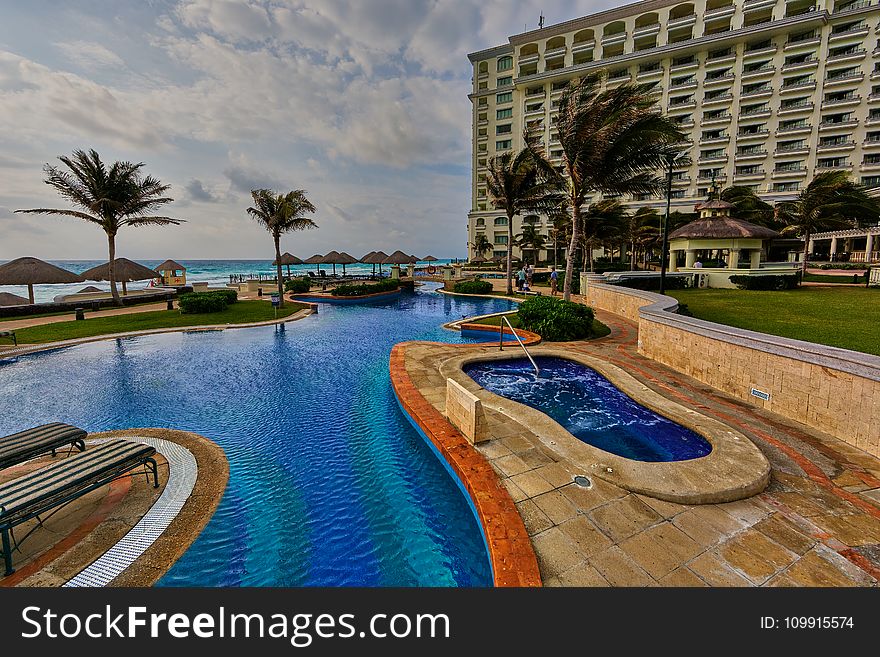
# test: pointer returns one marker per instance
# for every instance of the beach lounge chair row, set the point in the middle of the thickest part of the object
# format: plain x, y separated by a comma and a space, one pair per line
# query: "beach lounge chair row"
51, 487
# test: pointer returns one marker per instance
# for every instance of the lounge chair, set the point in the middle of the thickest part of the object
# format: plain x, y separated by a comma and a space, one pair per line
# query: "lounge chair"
25, 445
59, 483
11, 335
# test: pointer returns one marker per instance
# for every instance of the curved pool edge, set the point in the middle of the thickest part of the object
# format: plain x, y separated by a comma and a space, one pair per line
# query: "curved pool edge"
347, 301
511, 555
735, 468
62, 344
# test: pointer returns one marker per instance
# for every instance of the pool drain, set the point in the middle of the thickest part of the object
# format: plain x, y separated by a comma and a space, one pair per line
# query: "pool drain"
583, 482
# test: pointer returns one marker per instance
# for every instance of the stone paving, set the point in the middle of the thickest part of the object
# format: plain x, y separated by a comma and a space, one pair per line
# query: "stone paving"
817, 523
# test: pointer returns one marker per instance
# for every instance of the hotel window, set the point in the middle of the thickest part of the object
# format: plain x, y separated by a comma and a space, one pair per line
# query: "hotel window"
872, 158
507, 97
504, 82
505, 63
503, 145
481, 223
871, 181
504, 113
785, 186
505, 129
831, 162
500, 239
500, 221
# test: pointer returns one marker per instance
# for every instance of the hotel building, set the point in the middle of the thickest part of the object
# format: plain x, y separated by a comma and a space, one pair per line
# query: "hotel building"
767, 92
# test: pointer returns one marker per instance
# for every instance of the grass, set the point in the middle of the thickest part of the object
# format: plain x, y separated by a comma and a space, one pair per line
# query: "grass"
243, 312
599, 329
827, 278
845, 317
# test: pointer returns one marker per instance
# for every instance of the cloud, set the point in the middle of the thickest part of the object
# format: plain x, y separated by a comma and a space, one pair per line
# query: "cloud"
244, 179
196, 191
90, 55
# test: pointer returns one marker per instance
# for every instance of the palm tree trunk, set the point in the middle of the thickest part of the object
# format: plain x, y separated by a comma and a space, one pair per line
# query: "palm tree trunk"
806, 253
509, 253
277, 238
111, 268
572, 248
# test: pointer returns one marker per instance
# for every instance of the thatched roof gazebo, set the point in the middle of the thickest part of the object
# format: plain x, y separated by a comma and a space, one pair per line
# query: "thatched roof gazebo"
399, 258
343, 259
375, 258
316, 259
429, 258
172, 273
288, 259
33, 271
126, 271
89, 289
8, 299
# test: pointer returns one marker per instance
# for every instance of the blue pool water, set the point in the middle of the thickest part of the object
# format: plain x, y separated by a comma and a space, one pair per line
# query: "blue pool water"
590, 408
330, 485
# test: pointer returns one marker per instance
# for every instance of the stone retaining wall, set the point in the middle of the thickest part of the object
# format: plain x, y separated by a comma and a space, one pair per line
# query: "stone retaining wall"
836, 391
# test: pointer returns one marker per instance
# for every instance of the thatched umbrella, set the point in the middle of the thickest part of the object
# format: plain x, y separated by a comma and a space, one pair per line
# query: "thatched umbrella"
376, 258
288, 259
429, 258
7, 299
126, 271
398, 258
33, 271
332, 258
345, 259
477, 260
89, 289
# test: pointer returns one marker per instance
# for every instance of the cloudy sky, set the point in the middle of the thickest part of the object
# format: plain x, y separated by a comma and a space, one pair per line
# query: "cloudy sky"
363, 103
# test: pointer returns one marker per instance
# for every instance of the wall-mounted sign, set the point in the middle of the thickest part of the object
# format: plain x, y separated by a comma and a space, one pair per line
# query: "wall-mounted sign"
760, 394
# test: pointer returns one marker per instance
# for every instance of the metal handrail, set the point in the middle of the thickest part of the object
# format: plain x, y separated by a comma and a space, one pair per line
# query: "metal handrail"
501, 324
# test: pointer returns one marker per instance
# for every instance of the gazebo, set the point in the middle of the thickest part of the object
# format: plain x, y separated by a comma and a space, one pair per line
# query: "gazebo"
33, 271
125, 270
717, 237
172, 274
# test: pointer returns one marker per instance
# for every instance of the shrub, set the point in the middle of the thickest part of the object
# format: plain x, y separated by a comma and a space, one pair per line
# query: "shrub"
298, 285
649, 283
473, 287
365, 288
556, 320
202, 302
767, 282
230, 295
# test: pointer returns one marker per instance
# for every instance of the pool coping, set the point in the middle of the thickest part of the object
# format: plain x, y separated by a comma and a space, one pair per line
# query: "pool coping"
206, 328
735, 468
511, 554
308, 297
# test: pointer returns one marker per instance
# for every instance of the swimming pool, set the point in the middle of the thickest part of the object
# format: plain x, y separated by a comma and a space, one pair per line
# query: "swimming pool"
329, 483
590, 407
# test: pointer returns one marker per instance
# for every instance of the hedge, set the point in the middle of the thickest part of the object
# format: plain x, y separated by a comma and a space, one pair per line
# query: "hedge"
230, 295
203, 302
653, 283
473, 287
767, 282
366, 288
555, 319
298, 285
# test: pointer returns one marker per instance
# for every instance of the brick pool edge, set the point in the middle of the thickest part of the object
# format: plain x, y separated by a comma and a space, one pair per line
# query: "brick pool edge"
511, 555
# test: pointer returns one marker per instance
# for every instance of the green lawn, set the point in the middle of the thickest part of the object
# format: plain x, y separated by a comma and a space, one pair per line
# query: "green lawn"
599, 329
243, 312
840, 317
826, 278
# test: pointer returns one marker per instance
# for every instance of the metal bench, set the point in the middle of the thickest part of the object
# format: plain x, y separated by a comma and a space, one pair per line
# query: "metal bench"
9, 334
25, 445
50, 488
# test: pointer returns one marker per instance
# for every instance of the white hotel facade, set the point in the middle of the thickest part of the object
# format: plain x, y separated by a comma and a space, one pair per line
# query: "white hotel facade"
767, 92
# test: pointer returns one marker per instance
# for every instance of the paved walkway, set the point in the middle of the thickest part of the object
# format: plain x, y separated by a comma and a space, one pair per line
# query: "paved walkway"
26, 322
817, 524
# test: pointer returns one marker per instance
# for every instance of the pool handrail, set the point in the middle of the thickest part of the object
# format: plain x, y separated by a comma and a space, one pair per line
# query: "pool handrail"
503, 321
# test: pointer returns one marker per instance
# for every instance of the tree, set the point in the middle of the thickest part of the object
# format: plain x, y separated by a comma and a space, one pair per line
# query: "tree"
601, 223
530, 240
111, 198
520, 183
613, 142
481, 245
830, 201
638, 229
748, 206
279, 214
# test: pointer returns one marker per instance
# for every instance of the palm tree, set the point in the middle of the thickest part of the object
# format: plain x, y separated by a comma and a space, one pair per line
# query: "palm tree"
748, 206
111, 198
279, 214
524, 182
613, 142
637, 230
530, 240
481, 245
830, 201
601, 223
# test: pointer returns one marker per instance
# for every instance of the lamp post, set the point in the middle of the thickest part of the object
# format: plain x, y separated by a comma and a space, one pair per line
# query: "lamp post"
665, 244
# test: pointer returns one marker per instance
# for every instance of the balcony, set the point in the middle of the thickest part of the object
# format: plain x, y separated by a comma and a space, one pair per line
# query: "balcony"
707, 159
872, 120
789, 151
751, 155
849, 78
720, 12
795, 108
717, 100
682, 85
685, 105
833, 167
841, 102
721, 79
802, 42
855, 31
799, 66
708, 141
837, 125
536, 93
752, 5
718, 177
853, 56
756, 134
852, 8
794, 130
581, 46
873, 97
758, 52
538, 111
756, 93
871, 142
646, 30
769, 69
845, 145
611, 39
789, 173
683, 65
681, 21
760, 113
649, 72
748, 175
797, 85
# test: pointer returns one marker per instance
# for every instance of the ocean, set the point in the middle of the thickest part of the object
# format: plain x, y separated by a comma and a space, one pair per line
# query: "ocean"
215, 272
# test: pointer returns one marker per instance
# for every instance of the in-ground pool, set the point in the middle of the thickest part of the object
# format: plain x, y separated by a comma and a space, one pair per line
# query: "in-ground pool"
329, 483
590, 407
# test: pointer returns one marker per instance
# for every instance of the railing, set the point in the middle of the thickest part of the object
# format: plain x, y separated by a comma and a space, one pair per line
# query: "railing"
501, 324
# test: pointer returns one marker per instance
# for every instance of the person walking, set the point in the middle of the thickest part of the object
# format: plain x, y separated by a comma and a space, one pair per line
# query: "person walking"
554, 281
520, 279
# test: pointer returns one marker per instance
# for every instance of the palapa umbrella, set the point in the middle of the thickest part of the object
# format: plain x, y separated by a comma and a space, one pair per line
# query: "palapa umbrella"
478, 260
126, 271
33, 271
398, 258
345, 259
366, 260
332, 258
376, 258
89, 289
8, 299
288, 259
429, 258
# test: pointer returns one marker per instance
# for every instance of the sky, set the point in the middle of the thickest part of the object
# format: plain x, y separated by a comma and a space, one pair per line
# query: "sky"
362, 103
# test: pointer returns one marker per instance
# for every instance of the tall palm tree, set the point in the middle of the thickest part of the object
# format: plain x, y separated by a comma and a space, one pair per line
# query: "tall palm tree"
530, 240
481, 245
749, 206
519, 183
279, 214
637, 230
601, 223
830, 201
613, 142
111, 198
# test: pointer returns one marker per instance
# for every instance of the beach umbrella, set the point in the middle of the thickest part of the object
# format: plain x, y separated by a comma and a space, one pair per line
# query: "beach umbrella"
477, 260
288, 259
126, 272
366, 260
332, 258
376, 258
33, 271
89, 289
345, 259
398, 258
429, 258
8, 299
